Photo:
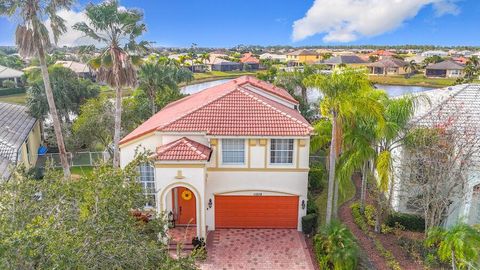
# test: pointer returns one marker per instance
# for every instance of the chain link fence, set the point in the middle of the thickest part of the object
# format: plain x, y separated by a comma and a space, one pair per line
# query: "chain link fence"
75, 159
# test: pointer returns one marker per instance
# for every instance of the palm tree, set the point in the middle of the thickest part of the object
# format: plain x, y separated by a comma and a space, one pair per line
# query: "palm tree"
119, 29
397, 115
345, 94
412, 66
459, 245
32, 38
160, 75
205, 57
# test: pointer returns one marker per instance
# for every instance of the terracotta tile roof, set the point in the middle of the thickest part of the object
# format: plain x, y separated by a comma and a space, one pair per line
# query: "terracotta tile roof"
249, 58
183, 149
229, 109
243, 112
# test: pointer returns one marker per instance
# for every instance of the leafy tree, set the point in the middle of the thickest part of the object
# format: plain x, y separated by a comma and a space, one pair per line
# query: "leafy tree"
118, 28
32, 39
68, 90
269, 75
82, 224
432, 60
159, 76
335, 247
345, 95
11, 61
459, 245
94, 123
373, 58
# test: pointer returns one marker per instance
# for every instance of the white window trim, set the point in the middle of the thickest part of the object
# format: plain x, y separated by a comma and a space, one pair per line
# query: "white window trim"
154, 193
294, 156
236, 165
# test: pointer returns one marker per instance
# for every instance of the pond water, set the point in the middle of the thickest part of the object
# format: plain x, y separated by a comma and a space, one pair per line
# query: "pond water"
313, 94
194, 88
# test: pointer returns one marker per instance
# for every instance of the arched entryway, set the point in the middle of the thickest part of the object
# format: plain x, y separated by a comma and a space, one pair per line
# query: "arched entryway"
181, 201
183, 206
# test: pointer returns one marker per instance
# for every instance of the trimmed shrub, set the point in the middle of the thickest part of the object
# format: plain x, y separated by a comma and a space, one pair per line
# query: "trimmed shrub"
11, 91
8, 84
309, 223
335, 247
312, 207
410, 222
317, 178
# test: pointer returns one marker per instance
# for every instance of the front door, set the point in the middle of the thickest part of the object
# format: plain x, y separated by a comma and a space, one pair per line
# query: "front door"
185, 204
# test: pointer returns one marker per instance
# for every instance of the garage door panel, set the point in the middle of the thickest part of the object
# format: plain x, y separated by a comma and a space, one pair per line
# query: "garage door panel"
256, 211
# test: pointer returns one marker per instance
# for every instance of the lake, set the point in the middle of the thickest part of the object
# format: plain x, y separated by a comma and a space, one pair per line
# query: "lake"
313, 95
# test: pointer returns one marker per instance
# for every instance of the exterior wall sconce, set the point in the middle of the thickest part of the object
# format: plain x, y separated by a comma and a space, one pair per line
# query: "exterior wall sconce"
210, 203
303, 204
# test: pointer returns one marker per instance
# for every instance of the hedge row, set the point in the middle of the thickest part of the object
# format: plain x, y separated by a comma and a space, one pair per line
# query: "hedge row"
11, 91
410, 222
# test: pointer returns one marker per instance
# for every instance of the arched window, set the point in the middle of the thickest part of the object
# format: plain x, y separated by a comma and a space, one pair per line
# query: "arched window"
147, 180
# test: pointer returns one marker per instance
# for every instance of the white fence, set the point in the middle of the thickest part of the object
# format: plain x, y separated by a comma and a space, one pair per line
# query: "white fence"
75, 159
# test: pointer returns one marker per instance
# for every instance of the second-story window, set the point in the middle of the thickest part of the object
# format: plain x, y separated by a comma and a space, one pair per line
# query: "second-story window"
281, 151
233, 151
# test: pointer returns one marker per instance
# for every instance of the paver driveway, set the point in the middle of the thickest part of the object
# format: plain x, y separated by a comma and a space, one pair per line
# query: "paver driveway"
257, 249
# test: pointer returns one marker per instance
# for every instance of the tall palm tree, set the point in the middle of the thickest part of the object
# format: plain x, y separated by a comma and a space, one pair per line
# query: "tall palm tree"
118, 29
160, 75
344, 96
32, 38
398, 112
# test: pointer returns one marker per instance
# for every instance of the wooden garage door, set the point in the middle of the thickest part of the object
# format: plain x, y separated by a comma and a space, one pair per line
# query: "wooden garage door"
256, 211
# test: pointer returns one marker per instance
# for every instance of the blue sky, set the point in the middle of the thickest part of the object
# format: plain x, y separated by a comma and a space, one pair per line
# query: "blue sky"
226, 23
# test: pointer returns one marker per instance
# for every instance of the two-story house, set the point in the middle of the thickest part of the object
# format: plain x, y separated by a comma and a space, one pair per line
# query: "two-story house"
232, 156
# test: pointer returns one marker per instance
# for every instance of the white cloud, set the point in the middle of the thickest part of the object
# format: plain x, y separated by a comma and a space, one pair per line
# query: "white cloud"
347, 20
71, 37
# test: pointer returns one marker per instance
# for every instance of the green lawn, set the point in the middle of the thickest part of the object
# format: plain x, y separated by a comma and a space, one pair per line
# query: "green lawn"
81, 170
321, 200
17, 99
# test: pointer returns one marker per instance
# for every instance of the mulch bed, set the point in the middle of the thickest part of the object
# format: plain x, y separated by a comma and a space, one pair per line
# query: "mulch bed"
389, 241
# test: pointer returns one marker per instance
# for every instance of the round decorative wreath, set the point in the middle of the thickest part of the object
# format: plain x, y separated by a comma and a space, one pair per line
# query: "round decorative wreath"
187, 195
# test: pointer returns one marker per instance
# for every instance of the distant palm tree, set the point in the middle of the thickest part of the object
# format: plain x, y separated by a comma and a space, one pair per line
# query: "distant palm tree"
118, 29
32, 38
412, 66
160, 75
205, 57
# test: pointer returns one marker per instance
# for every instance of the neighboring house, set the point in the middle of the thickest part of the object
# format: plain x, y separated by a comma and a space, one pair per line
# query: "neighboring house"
457, 108
279, 57
344, 60
220, 64
382, 54
445, 69
251, 61
10, 74
20, 138
303, 57
234, 155
388, 66
81, 69
433, 53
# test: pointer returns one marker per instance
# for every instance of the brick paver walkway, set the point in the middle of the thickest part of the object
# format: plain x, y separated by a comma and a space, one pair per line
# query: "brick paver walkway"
257, 249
